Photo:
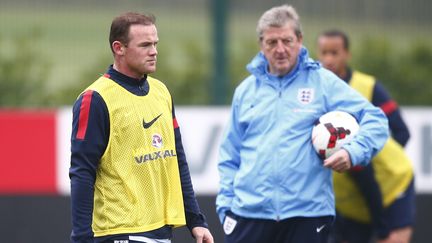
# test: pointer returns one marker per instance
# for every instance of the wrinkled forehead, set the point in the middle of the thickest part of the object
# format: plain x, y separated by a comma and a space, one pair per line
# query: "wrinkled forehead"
285, 31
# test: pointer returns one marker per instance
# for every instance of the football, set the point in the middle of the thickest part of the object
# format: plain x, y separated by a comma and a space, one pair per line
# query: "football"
333, 130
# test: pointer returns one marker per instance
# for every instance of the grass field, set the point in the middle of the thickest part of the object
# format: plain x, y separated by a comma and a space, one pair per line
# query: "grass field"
72, 39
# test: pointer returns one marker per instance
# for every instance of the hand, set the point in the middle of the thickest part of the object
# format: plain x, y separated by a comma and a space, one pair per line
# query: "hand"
402, 235
392, 239
339, 161
202, 235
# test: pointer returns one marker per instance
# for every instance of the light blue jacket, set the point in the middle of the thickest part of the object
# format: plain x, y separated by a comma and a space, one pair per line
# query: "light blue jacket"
268, 168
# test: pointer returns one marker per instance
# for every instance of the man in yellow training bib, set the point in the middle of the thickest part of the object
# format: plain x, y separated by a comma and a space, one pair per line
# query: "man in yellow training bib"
376, 200
130, 180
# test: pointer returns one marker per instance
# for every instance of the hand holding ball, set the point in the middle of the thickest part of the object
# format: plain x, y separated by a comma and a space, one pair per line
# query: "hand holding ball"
333, 130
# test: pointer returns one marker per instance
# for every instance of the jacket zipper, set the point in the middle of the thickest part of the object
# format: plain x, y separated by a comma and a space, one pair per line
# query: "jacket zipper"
277, 161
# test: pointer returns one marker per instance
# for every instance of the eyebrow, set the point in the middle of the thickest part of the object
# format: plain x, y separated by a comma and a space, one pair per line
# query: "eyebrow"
148, 42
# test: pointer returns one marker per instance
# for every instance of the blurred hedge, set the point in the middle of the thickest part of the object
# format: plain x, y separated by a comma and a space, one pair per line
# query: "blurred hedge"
23, 72
406, 73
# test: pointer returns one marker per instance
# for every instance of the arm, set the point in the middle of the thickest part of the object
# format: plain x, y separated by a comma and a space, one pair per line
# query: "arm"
194, 218
90, 131
368, 186
398, 128
373, 123
229, 162
364, 176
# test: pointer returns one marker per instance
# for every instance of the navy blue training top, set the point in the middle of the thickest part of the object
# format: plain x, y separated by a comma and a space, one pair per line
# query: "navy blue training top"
364, 177
88, 148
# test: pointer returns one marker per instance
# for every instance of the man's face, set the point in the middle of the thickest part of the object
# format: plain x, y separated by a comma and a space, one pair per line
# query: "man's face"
140, 53
281, 47
332, 54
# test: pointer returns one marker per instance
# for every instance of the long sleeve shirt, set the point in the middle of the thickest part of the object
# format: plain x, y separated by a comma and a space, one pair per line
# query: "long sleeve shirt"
364, 178
87, 147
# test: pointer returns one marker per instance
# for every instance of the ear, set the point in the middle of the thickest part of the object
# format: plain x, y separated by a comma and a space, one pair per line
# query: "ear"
118, 48
300, 38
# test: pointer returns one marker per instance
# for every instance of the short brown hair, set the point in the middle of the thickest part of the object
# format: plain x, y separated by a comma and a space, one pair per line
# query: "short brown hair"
120, 26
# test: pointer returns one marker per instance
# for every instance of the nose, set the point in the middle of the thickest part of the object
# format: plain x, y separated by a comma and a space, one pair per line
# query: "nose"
326, 60
280, 46
153, 50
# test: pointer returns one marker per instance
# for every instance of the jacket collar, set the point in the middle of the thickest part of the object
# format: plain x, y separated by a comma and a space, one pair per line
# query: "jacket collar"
121, 78
138, 87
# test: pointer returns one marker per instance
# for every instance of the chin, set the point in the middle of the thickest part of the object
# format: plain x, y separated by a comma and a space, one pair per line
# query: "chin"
150, 69
284, 71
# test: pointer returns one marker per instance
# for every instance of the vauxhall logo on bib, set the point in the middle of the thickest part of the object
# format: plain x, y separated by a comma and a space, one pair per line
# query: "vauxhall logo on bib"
157, 142
305, 95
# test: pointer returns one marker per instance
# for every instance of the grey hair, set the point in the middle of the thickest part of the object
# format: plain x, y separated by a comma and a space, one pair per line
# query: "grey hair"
278, 17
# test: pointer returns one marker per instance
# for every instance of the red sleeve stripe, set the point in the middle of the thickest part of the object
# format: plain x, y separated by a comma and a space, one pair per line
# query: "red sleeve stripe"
357, 168
175, 123
389, 107
84, 114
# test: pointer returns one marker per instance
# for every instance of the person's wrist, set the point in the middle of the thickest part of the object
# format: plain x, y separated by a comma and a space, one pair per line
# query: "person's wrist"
383, 233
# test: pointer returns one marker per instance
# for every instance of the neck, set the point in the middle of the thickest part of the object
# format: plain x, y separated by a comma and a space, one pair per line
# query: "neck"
343, 74
126, 71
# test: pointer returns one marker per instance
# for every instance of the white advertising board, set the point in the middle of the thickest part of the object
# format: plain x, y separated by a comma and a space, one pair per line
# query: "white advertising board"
202, 129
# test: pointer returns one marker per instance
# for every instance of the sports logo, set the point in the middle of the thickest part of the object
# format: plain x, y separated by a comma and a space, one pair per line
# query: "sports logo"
148, 124
229, 225
318, 229
155, 156
157, 141
305, 96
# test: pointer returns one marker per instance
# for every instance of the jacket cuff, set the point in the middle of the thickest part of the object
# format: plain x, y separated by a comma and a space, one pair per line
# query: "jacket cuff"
356, 156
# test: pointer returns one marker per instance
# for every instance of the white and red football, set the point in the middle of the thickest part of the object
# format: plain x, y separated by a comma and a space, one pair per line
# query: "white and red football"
331, 131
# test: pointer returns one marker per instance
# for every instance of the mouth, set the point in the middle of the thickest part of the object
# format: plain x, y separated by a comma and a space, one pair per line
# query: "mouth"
330, 67
282, 60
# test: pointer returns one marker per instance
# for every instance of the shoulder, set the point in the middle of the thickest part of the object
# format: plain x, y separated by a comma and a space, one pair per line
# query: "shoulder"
323, 73
362, 79
246, 87
89, 98
101, 83
247, 82
323, 77
156, 83
379, 91
92, 92
379, 88
361, 75
151, 79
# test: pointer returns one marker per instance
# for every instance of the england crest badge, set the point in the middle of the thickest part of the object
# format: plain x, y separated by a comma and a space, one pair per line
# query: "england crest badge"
305, 95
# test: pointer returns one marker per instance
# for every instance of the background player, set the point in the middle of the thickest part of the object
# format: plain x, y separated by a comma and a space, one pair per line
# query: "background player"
377, 199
